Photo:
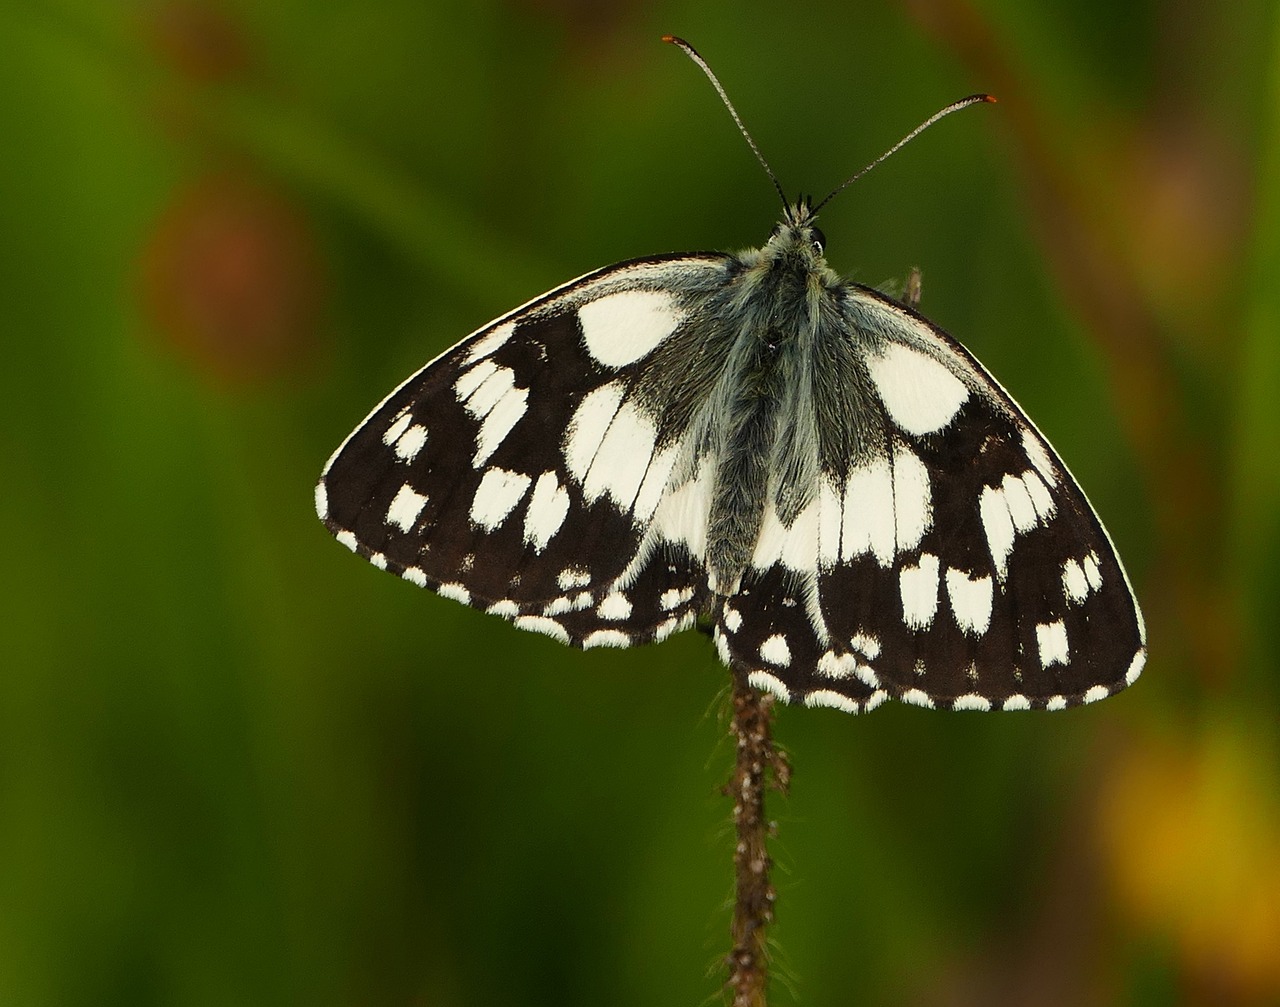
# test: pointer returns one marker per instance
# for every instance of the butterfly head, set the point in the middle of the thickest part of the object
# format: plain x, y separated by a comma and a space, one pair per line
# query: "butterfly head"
796, 233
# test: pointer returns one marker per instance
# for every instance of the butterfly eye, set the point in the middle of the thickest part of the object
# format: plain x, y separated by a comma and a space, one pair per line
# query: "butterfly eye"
818, 238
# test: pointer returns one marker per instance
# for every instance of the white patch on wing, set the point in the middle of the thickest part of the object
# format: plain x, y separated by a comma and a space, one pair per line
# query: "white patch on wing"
1018, 500
490, 341
345, 538
1051, 641
548, 508
1095, 693
866, 645
912, 498
1040, 495
506, 608
606, 638
414, 576
498, 422
1056, 703
918, 586
398, 426
998, 526
655, 483
1016, 702
405, 507
834, 665
674, 598
775, 650
1075, 586
589, 425
623, 457
682, 515
971, 701
623, 327
917, 697
471, 380
831, 698
615, 607
541, 624
732, 619
830, 518
454, 592
1135, 667
1039, 456
573, 576
920, 393
1091, 571
322, 501
769, 683
496, 497
409, 444
869, 523
970, 600
795, 547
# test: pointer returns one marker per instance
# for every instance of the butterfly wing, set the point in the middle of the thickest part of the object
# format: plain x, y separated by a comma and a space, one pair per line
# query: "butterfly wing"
956, 561
522, 471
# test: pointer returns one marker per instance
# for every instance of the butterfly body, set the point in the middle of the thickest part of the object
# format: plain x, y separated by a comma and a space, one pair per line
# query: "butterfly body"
855, 505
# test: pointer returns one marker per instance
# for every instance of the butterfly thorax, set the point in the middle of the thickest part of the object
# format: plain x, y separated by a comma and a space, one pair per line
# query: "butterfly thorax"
760, 418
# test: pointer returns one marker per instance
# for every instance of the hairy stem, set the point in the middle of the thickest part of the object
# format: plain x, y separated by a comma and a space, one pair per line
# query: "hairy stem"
758, 766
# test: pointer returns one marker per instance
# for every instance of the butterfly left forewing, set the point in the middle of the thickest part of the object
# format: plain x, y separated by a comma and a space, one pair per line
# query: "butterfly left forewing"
522, 470
971, 572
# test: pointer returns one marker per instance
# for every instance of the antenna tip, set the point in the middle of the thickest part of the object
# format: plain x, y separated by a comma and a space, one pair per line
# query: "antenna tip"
990, 99
674, 40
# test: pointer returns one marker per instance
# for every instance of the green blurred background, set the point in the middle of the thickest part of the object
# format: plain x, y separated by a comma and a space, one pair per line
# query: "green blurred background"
238, 765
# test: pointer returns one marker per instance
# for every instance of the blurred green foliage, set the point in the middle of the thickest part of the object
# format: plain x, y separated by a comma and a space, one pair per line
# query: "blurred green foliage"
239, 766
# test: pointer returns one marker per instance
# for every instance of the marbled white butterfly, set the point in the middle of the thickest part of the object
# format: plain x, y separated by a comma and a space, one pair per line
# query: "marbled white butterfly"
852, 504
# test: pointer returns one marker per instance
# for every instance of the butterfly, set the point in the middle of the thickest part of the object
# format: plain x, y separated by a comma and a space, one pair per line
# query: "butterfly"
847, 500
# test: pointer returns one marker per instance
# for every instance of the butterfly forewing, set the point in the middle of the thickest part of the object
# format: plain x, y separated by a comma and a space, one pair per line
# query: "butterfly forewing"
523, 470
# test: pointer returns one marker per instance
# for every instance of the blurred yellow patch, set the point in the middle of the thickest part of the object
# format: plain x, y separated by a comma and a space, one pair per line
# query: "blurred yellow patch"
1191, 835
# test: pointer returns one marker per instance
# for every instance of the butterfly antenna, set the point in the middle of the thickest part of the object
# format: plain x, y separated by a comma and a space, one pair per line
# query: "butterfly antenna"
693, 54
973, 99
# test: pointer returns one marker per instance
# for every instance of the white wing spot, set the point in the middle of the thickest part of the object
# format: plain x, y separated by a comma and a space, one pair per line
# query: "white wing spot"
620, 464
833, 665
674, 598
921, 394
831, 698
1096, 693
1018, 500
917, 697
409, 444
998, 526
455, 592
912, 499
621, 328
573, 576
497, 496
775, 651
1051, 640
970, 601
1056, 703
1135, 667
606, 638
490, 341
589, 425
548, 507
866, 645
615, 607
506, 608
1075, 586
378, 560
732, 619
499, 421
347, 539
414, 576
322, 501
398, 426
541, 624
769, 683
682, 516
1016, 702
1040, 495
468, 381
405, 507
1039, 457
971, 701
1091, 571
918, 586
869, 523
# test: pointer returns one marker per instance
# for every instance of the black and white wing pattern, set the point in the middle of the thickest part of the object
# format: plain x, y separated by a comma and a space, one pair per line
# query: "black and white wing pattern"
526, 471
856, 507
947, 557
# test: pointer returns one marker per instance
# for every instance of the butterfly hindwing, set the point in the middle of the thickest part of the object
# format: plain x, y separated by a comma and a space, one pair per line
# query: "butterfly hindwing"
971, 570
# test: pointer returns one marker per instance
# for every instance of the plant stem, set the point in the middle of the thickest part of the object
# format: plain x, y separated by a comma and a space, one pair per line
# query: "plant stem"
758, 766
